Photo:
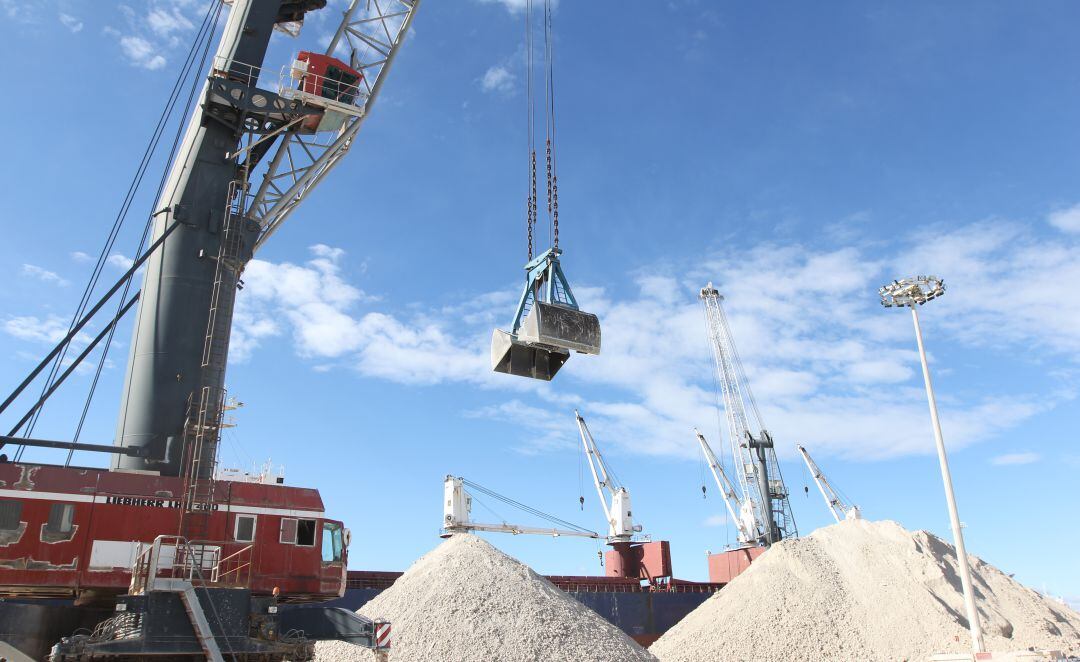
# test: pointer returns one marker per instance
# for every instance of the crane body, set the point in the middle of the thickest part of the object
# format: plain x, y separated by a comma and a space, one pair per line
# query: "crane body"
614, 498
840, 508
163, 521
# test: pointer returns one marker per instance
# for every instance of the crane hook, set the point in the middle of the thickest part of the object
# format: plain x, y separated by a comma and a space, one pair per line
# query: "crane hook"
581, 502
702, 491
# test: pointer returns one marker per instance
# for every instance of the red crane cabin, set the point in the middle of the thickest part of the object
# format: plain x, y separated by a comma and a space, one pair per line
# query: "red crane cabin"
71, 532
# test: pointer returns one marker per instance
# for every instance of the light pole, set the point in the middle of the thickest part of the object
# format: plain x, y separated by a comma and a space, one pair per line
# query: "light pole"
910, 293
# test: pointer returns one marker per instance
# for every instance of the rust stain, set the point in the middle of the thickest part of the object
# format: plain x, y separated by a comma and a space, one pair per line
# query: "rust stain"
12, 536
27, 563
52, 537
26, 478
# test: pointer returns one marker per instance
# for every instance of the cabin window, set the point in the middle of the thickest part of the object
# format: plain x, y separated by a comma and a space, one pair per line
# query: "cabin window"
288, 531
10, 512
331, 542
298, 532
60, 518
244, 528
305, 532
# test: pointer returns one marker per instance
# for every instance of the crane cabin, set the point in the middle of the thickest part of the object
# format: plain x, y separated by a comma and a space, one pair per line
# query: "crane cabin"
76, 533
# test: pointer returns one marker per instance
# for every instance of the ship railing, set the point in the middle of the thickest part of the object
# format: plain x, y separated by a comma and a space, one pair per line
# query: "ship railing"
201, 563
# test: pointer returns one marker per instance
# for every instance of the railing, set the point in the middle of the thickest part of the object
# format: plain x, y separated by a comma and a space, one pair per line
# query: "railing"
296, 81
201, 563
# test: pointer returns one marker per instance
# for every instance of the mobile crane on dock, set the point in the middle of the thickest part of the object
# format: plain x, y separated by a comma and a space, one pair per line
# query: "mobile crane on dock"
163, 555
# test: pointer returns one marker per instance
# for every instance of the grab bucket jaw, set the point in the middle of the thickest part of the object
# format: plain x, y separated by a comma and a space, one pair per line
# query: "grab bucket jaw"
513, 356
562, 327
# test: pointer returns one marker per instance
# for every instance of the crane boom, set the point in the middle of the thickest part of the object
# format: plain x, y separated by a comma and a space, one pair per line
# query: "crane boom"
457, 514
757, 469
837, 505
741, 513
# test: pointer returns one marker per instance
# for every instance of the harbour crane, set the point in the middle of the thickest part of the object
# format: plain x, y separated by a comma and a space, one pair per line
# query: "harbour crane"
757, 469
162, 523
840, 507
632, 555
614, 497
457, 514
741, 511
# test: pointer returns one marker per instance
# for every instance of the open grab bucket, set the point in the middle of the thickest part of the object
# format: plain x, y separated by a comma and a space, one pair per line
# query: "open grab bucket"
542, 338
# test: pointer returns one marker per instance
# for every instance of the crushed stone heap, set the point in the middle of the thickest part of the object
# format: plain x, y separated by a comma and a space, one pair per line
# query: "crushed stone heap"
466, 600
862, 590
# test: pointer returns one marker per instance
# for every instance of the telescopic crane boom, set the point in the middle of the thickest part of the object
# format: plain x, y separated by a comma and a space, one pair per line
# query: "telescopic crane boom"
837, 505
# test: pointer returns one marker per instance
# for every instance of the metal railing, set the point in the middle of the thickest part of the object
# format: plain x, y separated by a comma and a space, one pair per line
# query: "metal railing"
295, 81
201, 563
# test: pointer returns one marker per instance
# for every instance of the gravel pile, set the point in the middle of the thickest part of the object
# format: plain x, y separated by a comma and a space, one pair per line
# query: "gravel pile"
862, 590
466, 600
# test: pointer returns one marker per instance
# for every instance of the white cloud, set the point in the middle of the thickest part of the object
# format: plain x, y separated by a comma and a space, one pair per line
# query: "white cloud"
1066, 220
515, 6
141, 52
120, 261
498, 79
80, 256
715, 520
164, 22
70, 22
1009, 459
48, 330
43, 275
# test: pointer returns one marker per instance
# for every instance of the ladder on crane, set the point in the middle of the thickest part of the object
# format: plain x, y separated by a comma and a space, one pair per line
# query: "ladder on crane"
757, 469
840, 507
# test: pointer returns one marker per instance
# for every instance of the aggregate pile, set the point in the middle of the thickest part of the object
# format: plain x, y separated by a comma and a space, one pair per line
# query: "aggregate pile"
466, 600
862, 590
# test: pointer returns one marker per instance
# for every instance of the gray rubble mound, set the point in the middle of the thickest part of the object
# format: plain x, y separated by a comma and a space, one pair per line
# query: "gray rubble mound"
466, 600
862, 590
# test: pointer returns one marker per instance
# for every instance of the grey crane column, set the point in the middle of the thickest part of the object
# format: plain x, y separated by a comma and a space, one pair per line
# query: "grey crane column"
165, 367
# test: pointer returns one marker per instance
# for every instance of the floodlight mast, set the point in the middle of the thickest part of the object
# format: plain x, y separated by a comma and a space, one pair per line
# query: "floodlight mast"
909, 292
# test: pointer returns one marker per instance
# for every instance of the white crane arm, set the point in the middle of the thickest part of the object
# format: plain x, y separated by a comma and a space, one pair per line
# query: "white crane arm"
592, 452
727, 490
839, 508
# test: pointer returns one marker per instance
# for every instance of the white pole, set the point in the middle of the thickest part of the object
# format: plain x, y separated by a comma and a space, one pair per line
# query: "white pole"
954, 516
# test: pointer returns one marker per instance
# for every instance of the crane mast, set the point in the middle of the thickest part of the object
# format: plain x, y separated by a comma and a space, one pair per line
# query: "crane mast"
757, 469
837, 505
227, 191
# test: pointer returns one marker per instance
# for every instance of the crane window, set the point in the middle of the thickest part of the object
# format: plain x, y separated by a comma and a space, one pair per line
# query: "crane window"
60, 518
244, 528
10, 512
305, 532
331, 542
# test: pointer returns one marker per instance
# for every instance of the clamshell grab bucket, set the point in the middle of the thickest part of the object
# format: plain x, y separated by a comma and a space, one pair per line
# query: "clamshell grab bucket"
541, 339
544, 341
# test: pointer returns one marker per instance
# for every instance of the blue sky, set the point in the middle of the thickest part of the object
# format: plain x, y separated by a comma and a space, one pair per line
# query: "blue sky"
796, 156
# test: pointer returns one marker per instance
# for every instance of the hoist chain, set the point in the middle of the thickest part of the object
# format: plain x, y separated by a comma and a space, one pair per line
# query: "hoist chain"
532, 204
